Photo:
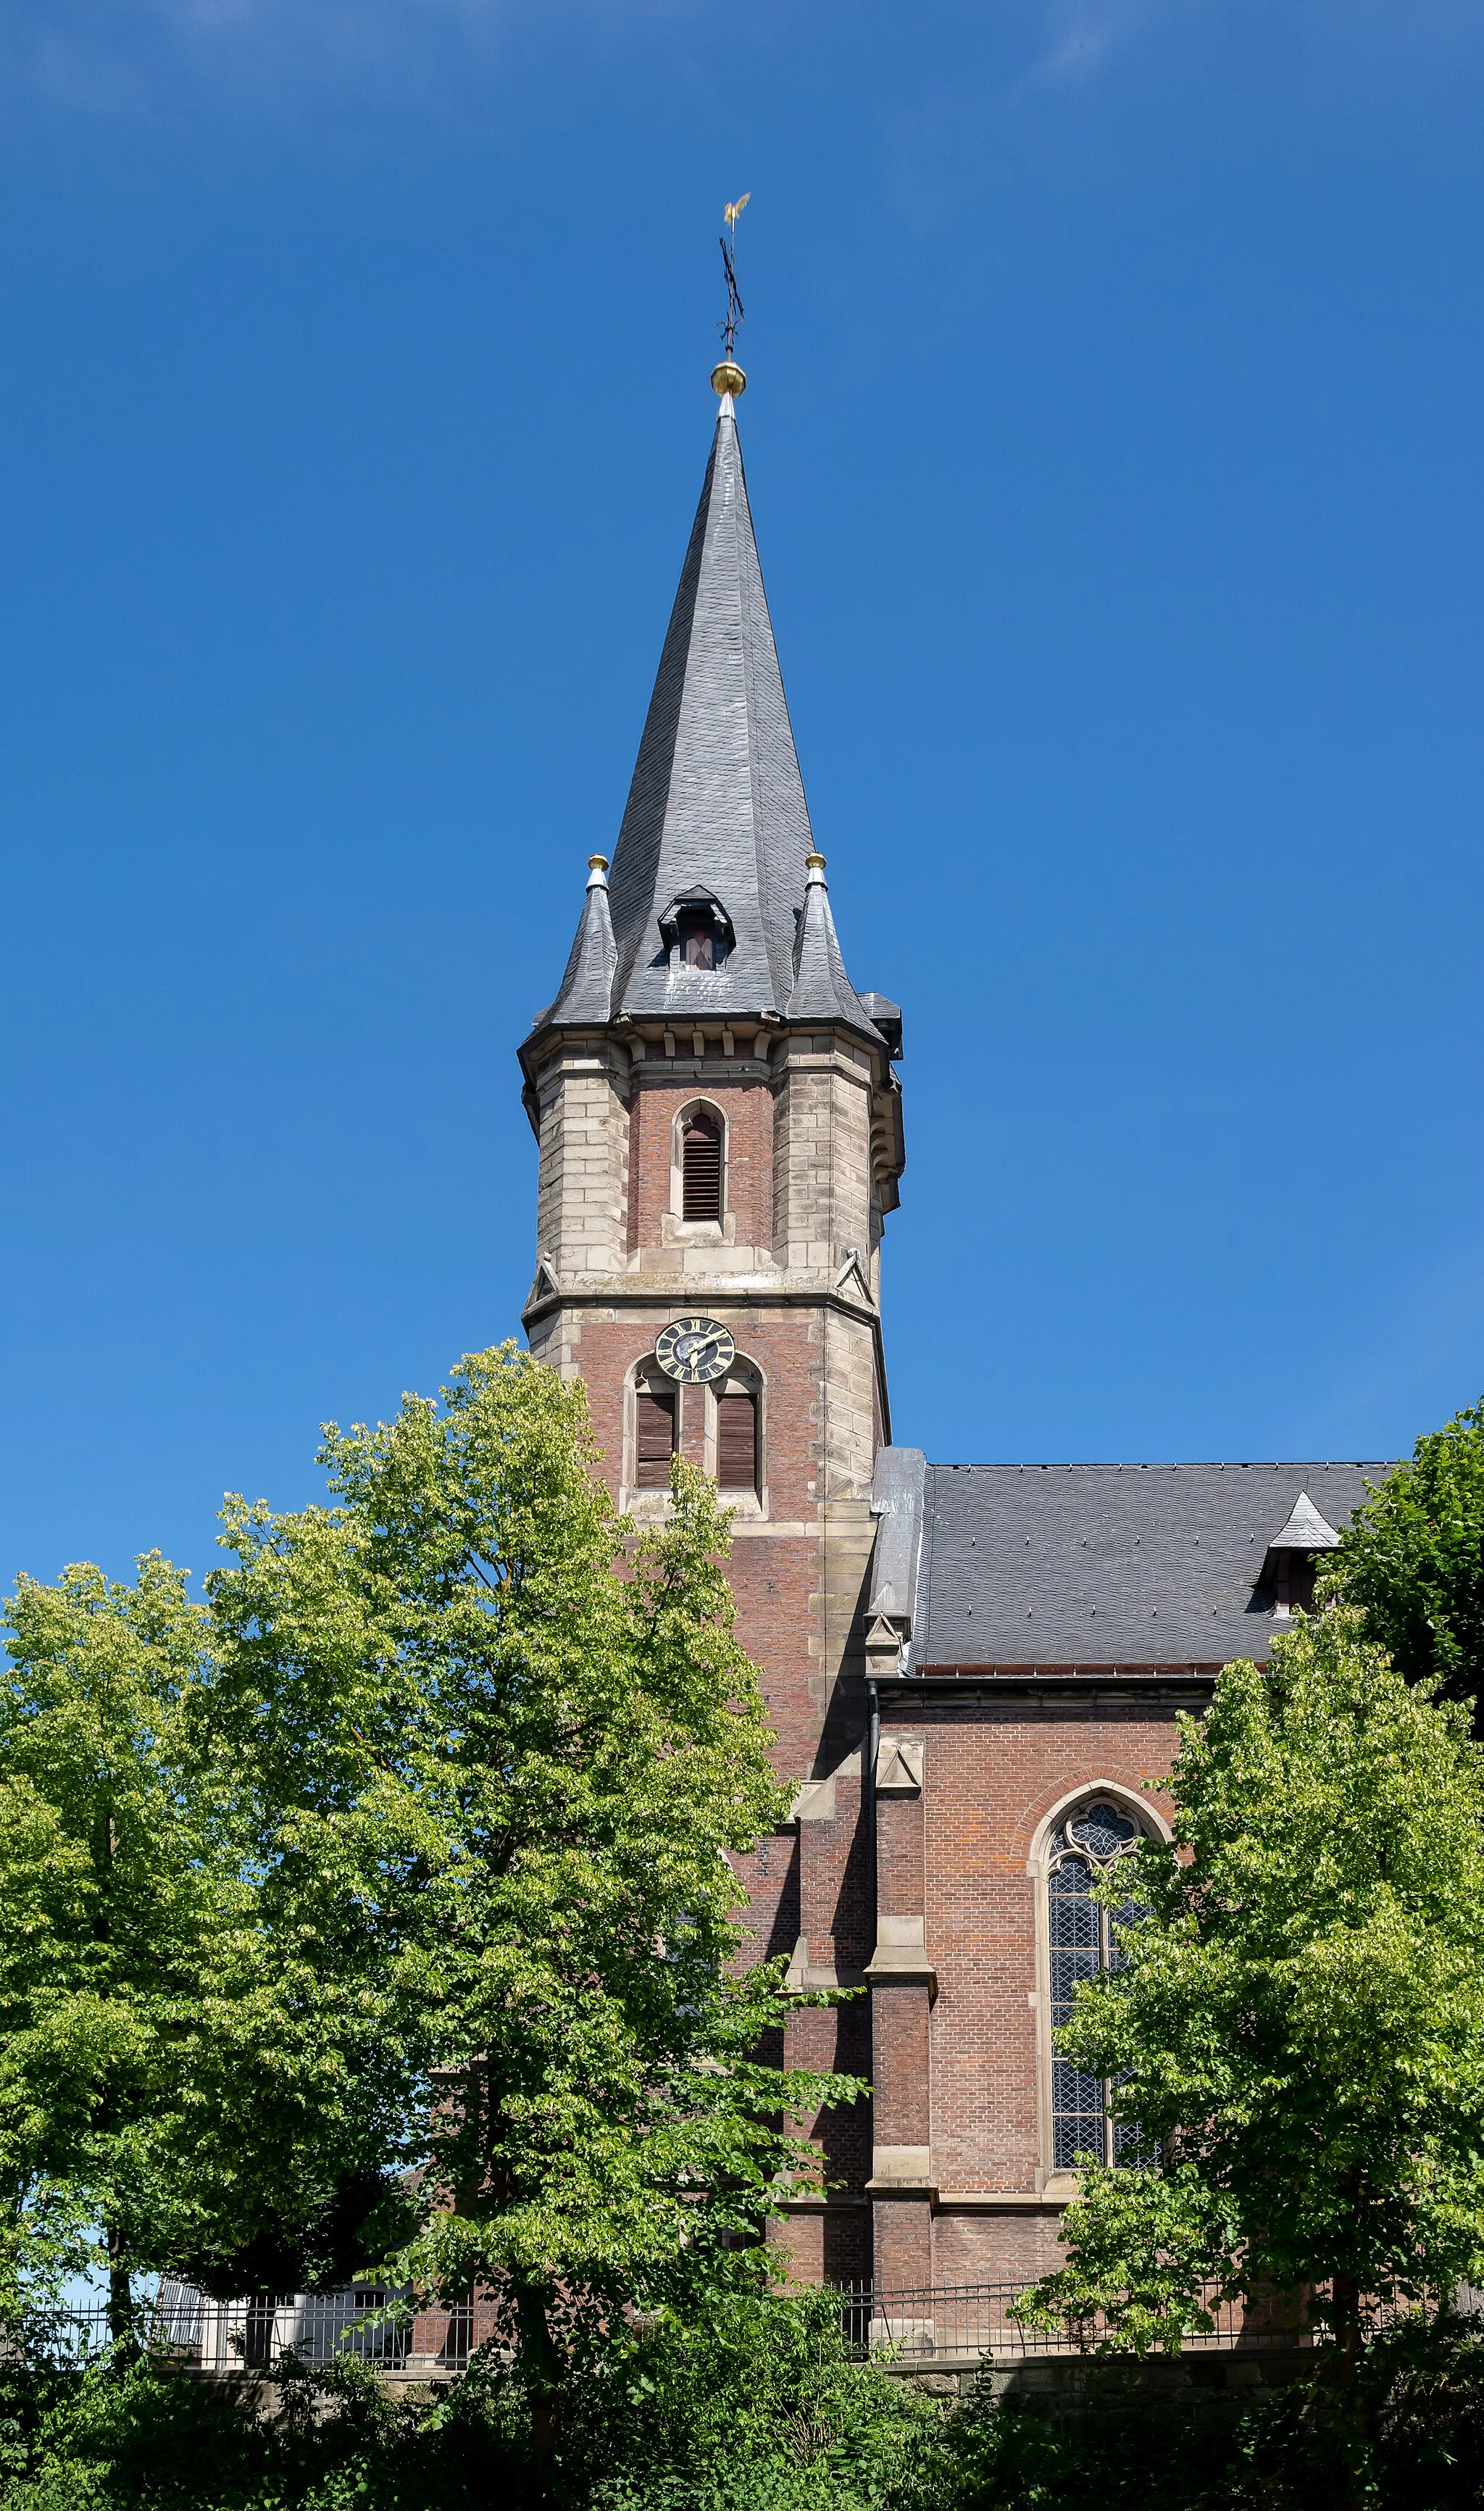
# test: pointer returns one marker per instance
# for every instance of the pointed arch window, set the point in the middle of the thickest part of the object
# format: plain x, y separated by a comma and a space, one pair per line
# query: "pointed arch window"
700, 1166
1082, 1944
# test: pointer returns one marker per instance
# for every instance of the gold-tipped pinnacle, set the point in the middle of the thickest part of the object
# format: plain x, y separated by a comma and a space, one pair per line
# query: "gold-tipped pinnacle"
728, 377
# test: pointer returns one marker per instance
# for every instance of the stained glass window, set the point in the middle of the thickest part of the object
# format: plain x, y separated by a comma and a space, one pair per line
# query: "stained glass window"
1080, 1935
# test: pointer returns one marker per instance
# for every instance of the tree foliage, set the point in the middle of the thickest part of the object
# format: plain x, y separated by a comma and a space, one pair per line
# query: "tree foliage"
520, 1744
1412, 1559
382, 1906
1299, 2024
119, 1906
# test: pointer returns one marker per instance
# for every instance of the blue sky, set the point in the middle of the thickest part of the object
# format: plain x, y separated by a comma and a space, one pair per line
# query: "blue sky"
1113, 434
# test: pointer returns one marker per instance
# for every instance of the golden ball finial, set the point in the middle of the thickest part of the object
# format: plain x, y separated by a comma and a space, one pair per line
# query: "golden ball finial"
728, 377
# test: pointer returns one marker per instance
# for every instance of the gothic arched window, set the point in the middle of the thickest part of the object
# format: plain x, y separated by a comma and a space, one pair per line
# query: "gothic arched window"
1081, 1944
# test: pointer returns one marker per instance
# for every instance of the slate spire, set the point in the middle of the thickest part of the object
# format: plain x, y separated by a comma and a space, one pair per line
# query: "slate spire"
820, 990
717, 825
586, 992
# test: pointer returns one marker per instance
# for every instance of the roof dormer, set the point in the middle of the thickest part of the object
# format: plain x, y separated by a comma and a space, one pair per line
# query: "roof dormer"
696, 930
1292, 1558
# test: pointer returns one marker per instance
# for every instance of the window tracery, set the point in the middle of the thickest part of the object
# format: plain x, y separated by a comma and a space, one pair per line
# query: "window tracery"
1082, 1944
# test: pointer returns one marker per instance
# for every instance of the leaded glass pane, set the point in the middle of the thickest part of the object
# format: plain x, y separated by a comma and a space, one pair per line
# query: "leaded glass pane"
1078, 2124
1082, 1945
1127, 1914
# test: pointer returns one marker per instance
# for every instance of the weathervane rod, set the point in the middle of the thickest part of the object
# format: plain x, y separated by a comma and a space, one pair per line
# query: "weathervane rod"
735, 313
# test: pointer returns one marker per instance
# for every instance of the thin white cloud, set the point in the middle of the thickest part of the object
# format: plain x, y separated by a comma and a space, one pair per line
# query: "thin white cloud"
1078, 38
1080, 35
109, 56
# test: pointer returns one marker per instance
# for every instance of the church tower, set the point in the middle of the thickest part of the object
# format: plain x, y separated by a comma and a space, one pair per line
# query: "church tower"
720, 1133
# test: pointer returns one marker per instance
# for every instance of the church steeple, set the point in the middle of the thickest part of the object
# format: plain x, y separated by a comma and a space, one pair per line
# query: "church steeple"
720, 1134
709, 895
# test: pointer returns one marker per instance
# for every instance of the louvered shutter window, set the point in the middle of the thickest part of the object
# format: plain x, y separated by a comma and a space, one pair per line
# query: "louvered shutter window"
701, 1169
736, 1442
653, 1425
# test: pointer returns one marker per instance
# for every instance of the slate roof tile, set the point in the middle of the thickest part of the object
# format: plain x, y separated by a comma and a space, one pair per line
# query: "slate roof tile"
1102, 1564
716, 802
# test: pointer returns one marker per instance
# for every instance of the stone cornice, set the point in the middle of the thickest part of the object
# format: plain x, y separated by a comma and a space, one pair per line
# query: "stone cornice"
745, 1291
943, 1683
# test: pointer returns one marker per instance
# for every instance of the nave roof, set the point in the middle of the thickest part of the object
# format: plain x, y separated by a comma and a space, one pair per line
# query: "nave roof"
1096, 1565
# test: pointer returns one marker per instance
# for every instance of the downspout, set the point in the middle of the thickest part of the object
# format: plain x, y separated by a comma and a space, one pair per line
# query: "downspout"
868, 1802
868, 1784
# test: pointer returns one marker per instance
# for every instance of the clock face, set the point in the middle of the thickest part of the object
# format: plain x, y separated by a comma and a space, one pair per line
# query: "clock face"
695, 1350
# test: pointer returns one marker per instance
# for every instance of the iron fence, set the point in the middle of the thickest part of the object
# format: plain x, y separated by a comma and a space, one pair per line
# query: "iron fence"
368, 2323
950, 2325
972, 2323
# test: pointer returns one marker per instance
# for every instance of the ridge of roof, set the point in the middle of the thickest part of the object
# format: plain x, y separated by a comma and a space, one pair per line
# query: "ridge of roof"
1156, 1465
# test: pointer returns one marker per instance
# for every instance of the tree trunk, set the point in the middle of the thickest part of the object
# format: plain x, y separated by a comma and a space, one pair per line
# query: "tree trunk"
120, 2293
1344, 2291
541, 2359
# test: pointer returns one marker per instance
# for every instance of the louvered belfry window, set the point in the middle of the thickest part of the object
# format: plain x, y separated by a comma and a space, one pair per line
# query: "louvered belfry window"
701, 1168
736, 1440
654, 1436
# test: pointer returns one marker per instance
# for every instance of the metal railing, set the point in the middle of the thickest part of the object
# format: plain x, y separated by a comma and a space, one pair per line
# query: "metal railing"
971, 2323
367, 2323
959, 2324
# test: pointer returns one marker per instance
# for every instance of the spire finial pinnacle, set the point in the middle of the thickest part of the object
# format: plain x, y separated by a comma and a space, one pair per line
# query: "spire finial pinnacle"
597, 872
727, 378
813, 867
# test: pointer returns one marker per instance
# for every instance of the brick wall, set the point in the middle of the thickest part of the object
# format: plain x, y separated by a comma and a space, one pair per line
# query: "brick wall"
993, 1769
746, 1106
801, 1193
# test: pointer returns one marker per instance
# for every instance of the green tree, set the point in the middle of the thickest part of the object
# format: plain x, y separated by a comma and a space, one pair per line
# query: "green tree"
177, 2080
1299, 2024
520, 1743
1413, 1560
118, 1903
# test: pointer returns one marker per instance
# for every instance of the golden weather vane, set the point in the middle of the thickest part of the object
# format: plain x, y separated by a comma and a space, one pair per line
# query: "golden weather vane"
733, 314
